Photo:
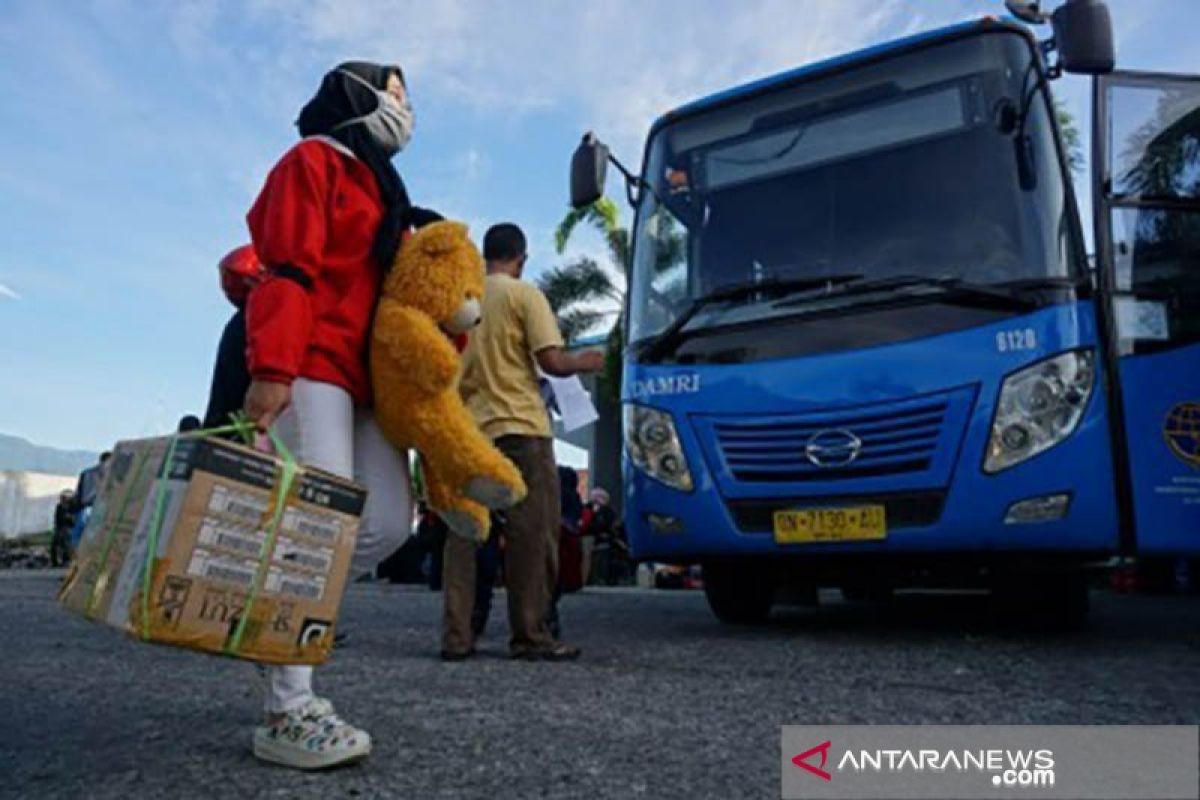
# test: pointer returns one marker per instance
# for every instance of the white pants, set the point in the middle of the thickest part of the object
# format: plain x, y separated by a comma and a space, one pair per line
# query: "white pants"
323, 429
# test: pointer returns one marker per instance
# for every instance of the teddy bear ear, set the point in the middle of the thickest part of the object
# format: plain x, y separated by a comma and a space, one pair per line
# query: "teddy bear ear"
440, 238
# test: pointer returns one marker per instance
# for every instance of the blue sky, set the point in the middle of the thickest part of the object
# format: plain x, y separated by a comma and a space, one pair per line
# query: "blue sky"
134, 135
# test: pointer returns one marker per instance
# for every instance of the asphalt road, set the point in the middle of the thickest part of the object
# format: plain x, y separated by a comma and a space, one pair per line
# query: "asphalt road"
665, 702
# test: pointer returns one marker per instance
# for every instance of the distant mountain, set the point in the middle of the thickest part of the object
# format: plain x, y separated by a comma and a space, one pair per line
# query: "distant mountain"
24, 456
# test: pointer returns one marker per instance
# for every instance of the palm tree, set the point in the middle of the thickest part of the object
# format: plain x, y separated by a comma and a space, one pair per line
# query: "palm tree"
579, 290
605, 216
1071, 138
573, 291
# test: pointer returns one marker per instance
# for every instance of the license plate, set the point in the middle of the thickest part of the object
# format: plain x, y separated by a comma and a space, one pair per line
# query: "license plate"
860, 523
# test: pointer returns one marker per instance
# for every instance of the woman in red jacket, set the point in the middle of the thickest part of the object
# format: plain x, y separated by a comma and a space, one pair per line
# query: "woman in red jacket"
326, 227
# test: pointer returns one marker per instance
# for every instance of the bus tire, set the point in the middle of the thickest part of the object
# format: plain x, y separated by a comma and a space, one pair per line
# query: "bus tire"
739, 593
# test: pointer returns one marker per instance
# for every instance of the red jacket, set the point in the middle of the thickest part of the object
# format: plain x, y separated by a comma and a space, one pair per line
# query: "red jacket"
315, 221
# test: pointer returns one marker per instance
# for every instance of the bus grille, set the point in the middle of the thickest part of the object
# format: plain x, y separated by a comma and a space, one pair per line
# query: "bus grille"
892, 440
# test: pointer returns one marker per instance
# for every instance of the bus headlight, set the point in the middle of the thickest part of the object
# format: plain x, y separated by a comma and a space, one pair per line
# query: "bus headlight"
1039, 407
654, 446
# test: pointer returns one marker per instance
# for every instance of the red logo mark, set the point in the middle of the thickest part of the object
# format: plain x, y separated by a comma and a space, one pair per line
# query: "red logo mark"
801, 761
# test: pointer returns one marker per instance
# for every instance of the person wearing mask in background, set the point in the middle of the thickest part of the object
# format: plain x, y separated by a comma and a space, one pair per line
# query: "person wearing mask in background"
499, 385
326, 227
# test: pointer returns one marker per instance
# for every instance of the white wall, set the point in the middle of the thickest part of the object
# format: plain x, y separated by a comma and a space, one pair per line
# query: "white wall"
27, 501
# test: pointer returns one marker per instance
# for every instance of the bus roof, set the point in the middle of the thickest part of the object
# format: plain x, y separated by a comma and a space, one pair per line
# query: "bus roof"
846, 59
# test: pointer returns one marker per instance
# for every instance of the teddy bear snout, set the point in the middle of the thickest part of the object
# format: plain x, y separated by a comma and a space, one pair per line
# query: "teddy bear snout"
468, 315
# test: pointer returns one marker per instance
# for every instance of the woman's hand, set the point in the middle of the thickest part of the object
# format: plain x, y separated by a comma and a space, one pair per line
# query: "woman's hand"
265, 401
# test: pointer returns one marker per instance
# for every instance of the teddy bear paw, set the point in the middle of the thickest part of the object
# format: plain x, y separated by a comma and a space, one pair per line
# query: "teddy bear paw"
464, 524
492, 493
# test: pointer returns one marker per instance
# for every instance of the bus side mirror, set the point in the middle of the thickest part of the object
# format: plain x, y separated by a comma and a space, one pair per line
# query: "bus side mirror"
589, 166
1084, 37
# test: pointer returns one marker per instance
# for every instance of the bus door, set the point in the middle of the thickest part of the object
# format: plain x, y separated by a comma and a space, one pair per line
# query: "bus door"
1146, 193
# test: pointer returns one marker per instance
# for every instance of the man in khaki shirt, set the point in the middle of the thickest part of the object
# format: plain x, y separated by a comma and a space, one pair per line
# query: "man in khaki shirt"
519, 334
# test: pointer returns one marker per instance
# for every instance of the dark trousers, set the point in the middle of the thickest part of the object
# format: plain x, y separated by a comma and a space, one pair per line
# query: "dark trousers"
231, 377
487, 566
60, 546
530, 556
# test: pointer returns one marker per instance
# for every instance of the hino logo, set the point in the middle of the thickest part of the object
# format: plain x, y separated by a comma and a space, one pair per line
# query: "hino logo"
833, 448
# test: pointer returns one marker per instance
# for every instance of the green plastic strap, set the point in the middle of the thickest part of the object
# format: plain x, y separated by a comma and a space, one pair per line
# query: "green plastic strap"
160, 505
287, 477
111, 533
239, 425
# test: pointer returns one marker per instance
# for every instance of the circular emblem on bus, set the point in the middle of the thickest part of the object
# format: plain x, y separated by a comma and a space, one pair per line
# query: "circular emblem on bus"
833, 448
1182, 432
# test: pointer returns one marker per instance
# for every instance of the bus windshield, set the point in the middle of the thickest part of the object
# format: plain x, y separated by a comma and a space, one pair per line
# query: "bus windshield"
920, 165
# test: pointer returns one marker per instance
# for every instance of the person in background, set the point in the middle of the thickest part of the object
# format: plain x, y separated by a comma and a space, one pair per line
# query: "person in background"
601, 524
86, 490
570, 566
487, 567
499, 385
587, 535
240, 271
188, 424
326, 227
432, 530
64, 521
89, 482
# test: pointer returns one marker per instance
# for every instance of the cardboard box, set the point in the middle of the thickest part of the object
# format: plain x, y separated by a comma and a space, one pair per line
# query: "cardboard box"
216, 548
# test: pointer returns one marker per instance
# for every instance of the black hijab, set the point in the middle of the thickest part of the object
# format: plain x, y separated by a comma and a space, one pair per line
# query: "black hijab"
341, 98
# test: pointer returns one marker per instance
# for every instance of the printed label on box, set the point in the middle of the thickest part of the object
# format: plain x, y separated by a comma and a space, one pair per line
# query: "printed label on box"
306, 587
213, 566
324, 527
215, 533
320, 490
289, 552
242, 505
236, 463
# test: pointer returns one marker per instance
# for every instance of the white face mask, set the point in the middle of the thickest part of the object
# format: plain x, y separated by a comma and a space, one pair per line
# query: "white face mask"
390, 125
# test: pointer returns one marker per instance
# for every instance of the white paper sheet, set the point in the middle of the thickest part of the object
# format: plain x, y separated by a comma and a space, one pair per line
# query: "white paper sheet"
575, 407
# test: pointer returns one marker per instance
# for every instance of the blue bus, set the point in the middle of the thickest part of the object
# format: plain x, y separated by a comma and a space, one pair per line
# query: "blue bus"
866, 345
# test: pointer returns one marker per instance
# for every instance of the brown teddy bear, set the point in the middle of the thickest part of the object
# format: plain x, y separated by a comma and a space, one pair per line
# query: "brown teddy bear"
434, 290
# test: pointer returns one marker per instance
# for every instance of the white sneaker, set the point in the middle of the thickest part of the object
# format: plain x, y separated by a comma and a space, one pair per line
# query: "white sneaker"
311, 737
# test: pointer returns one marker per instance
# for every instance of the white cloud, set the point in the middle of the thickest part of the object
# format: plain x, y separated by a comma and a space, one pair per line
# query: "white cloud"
191, 24
617, 64
472, 165
9, 293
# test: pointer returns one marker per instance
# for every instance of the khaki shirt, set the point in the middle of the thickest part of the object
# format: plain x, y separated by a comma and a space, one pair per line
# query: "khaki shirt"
500, 380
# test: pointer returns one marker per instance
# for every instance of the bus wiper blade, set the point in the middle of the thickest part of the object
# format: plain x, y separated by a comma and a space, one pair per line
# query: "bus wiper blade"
1047, 282
862, 286
951, 289
994, 294
664, 343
